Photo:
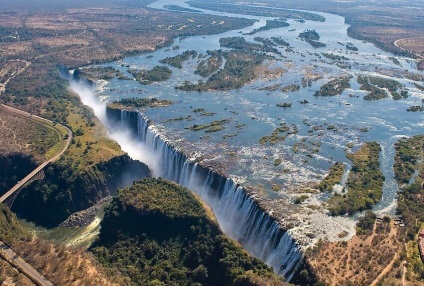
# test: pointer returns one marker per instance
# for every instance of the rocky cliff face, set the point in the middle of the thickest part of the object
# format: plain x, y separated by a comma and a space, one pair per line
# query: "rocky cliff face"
241, 213
65, 191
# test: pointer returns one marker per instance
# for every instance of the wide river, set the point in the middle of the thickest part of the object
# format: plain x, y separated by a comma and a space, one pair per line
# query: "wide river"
325, 126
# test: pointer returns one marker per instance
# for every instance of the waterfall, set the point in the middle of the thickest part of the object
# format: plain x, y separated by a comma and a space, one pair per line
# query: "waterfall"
238, 214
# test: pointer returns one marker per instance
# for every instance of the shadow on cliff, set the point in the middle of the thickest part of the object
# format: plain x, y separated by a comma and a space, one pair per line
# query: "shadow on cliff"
64, 191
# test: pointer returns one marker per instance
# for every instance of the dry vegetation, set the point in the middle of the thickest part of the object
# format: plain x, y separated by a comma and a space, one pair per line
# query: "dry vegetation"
358, 261
10, 70
9, 276
59, 264
62, 265
80, 36
22, 135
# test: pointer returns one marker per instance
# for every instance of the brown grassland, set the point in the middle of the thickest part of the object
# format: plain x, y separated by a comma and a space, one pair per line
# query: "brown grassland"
59, 264
11, 276
360, 260
22, 135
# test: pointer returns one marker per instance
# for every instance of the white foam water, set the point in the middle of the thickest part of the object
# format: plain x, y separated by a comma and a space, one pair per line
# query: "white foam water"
238, 214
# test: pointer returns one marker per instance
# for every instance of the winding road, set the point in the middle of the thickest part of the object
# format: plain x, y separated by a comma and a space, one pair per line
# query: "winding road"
42, 120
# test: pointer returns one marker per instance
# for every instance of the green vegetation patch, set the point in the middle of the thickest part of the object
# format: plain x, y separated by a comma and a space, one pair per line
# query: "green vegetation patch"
69, 187
334, 87
210, 65
334, 177
365, 224
352, 47
203, 112
408, 159
156, 74
334, 57
239, 67
181, 9
279, 134
301, 199
310, 35
272, 87
240, 43
290, 88
395, 61
409, 172
284, 104
365, 182
178, 61
105, 73
279, 41
157, 232
278, 161
270, 24
312, 38
238, 70
214, 126
377, 87
420, 87
265, 41
161, 197
375, 92
415, 108
136, 102
10, 229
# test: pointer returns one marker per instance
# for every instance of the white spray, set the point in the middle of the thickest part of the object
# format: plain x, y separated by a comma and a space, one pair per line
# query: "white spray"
238, 214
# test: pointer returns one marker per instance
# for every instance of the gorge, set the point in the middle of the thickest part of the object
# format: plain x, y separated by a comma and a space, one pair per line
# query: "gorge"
239, 212
262, 187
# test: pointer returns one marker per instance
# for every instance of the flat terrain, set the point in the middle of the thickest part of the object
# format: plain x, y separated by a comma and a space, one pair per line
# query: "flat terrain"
381, 22
11, 276
26, 136
360, 260
80, 36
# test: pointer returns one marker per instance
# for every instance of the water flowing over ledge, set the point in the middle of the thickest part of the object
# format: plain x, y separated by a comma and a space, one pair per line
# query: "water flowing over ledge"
238, 211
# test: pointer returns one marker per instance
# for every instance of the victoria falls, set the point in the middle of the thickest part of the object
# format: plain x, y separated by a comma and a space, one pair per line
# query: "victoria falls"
209, 143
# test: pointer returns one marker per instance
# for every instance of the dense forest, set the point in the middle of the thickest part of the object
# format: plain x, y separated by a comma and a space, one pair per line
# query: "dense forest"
158, 233
409, 173
364, 184
177, 61
156, 74
270, 24
334, 87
